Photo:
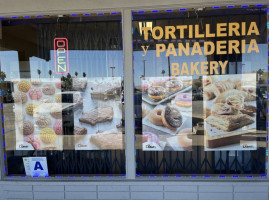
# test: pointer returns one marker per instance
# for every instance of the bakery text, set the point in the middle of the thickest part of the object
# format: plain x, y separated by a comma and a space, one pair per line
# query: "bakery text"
205, 47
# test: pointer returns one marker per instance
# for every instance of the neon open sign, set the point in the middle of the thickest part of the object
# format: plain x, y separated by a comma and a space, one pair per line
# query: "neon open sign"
61, 55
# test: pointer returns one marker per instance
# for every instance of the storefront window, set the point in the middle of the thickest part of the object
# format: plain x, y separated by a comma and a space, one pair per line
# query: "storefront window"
62, 89
200, 91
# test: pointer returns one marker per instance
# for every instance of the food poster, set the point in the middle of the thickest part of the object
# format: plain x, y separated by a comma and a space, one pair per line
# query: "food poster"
98, 113
38, 114
230, 123
167, 113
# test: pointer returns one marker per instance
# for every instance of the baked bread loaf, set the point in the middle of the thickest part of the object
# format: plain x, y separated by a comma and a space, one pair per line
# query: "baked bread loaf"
222, 97
222, 86
108, 140
229, 122
208, 93
102, 114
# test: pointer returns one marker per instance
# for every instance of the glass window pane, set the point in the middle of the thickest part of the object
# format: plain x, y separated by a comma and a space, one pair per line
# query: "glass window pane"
200, 91
62, 88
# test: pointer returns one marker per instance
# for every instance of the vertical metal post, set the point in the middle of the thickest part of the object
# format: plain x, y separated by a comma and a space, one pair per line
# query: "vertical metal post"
128, 93
267, 158
2, 150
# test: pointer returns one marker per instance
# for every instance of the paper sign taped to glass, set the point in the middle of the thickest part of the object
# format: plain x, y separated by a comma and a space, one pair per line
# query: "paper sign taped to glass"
35, 166
167, 113
38, 114
98, 121
230, 123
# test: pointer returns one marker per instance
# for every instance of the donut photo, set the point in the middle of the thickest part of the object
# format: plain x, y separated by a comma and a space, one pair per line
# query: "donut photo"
167, 119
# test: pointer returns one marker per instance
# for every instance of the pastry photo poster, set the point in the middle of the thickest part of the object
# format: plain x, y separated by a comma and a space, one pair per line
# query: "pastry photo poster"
38, 114
167, 113
231, 122
98, 113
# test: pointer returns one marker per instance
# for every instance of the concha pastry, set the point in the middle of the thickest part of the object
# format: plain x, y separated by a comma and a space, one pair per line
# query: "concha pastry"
32, 108
58, 127
48, 89
46, 102
27, 127
43, 120
56, 111
36, 81
47, 135
20, 98
35, 93
58, 98
24, 86
19, 116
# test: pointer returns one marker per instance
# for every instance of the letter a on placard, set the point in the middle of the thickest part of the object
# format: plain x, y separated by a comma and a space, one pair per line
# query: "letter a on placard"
38, 166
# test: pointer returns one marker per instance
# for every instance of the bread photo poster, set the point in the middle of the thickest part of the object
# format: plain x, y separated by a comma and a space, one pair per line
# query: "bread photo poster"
38, 114
167, 113
231, 122
97, 113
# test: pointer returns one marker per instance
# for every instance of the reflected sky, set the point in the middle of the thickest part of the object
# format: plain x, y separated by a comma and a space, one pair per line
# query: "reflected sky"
97, 63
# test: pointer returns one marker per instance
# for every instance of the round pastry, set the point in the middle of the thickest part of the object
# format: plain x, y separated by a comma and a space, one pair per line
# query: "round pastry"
35, 93
58, 84
19, 116
186, 80
184, 138
36, 81
20, 98
56, 111
184, 99
58, 98
24, 86
157, 81
171, 117
155, 117
46, 102
48, 89
32, 108
43, 120
27, 127
156, 92
173, 85
144, 112
47, 135
34, 141
58, 127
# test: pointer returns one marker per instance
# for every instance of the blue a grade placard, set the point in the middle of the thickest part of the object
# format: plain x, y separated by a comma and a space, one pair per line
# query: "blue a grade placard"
38, 166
